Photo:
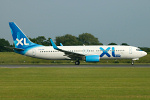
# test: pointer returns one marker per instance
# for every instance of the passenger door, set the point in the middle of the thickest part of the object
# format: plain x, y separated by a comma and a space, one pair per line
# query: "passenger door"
130, 50
33, 52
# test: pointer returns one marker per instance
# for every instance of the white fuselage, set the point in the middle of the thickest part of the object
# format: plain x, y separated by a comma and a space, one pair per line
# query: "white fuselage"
88, 53
105, 52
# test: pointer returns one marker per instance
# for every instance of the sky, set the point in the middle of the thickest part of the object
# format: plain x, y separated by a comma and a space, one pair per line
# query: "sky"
118, 21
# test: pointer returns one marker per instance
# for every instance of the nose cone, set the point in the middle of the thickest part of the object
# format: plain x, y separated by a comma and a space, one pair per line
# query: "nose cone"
144, 53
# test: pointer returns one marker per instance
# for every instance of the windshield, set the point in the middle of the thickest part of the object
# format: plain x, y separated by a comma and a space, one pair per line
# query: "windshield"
138, 49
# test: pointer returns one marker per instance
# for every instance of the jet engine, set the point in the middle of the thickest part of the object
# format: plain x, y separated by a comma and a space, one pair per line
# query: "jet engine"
92, 58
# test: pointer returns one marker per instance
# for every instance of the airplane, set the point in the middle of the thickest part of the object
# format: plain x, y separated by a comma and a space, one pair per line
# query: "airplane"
90, 53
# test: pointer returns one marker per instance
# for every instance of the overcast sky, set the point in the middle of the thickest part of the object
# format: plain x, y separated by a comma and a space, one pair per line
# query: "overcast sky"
119, 21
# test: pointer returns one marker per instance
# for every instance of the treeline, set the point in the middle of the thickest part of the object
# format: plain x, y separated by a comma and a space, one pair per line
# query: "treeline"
4, 43
66, 40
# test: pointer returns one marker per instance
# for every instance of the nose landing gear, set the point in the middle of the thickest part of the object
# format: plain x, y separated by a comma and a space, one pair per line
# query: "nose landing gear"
132, 63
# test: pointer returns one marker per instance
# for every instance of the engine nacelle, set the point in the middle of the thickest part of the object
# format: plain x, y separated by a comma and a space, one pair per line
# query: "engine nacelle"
92, 58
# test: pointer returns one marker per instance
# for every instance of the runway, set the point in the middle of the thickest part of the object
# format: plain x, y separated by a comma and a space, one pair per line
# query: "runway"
28, 66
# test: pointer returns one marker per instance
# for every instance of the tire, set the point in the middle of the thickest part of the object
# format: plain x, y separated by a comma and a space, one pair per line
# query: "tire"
77, 63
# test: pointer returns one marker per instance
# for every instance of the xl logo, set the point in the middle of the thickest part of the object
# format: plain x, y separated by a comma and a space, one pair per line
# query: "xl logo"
105, 52
20, 41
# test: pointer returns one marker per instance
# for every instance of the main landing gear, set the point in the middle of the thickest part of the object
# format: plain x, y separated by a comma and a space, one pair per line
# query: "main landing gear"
77, 62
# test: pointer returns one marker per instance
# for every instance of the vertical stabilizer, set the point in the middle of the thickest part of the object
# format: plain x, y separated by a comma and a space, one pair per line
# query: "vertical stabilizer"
19, 38
22, 43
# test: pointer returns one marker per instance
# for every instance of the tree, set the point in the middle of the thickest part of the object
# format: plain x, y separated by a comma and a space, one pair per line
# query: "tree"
88, 39
146, 49
38, 40
46, 42
67, 40
41, 40
124, 44
112, 43
4, 43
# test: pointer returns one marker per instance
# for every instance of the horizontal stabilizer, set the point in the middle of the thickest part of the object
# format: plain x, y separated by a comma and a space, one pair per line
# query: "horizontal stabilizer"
19, 49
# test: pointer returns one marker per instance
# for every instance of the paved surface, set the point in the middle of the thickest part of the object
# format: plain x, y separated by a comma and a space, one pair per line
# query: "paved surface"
27, 66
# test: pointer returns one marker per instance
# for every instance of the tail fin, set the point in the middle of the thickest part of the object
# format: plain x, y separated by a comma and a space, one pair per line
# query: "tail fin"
20, 39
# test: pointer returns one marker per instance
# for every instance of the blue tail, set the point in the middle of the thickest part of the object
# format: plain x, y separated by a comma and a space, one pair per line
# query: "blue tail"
20, 39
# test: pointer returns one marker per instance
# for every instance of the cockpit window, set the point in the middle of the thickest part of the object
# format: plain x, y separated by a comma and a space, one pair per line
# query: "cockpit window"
138, 49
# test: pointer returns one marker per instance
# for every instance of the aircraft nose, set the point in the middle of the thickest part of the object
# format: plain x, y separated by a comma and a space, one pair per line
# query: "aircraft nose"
144, 53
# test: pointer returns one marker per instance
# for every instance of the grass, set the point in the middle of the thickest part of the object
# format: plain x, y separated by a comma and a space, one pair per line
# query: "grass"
13, 58
78, 83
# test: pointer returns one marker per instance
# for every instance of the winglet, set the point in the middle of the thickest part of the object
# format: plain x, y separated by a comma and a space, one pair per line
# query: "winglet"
53, 44
61, 44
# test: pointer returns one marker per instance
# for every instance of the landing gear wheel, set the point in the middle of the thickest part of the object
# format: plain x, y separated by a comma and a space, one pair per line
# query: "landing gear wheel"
77, 63
132, 63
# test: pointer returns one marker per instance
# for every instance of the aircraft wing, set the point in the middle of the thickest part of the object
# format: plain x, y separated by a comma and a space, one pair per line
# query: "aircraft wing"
72, 55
